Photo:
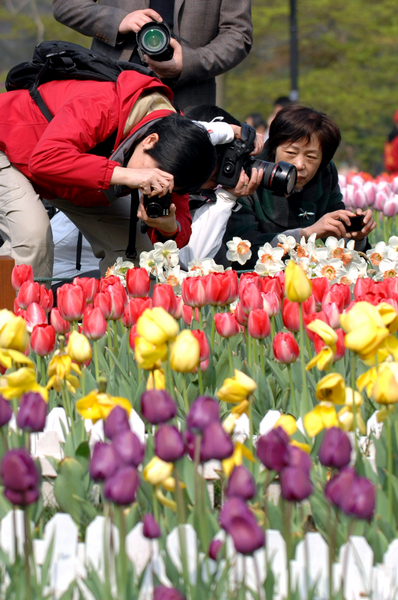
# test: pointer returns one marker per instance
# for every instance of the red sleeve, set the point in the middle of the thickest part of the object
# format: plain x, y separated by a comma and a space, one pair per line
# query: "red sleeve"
391, 156
183, 216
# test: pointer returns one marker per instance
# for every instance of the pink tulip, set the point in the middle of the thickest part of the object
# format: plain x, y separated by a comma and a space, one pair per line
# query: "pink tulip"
138, 282
258, 324
226, 324
35, 315
29, 292
94, 323
20, 274
370, 190
42, 339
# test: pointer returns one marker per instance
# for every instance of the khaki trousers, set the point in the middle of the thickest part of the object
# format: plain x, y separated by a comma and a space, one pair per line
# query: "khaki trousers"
26, 230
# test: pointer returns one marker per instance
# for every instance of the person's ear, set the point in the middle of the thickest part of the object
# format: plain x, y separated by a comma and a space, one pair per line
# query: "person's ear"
150, 141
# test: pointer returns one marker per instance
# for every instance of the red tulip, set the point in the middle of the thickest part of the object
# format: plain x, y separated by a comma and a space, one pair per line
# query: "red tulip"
28, 293
291, 315
179, 307
132, 336
35, 315
164, 296
138, 283
221, 288
94, 323
248, 279
134, 310
194, 291
240, 315
320, 286
285, 348
203, 344
272, 303
111, 304
71, 302
42, 339
250, 297
20, 274
188, 313
258, 324
46, 299
320, 316
60, 325
272, 284
89, 285
340, 345
226, 324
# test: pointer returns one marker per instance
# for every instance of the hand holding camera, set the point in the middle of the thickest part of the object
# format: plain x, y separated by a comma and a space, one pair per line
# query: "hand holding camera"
159, 49
135, 20
161, 217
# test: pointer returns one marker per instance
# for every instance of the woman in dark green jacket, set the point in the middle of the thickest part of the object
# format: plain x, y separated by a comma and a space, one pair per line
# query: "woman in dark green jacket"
307, 139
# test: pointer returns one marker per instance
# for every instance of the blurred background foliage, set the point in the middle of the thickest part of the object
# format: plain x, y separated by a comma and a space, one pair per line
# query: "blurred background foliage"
348, 57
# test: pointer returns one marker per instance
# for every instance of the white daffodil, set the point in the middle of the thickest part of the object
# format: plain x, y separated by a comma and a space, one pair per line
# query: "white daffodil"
331, 268
306, 249
267, 252
148, 262
287, 242
387, 268
239, 250
378, 253
173, 277
166, 254
120, 269
350, 275
203, 266
269, 268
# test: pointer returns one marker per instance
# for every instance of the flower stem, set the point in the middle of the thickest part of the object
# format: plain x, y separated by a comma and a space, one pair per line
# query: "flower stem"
200, 380
231, 360
185, 393
305, 408
389, 467
213, 328
292, 392
27, 552
96, 360
123, 587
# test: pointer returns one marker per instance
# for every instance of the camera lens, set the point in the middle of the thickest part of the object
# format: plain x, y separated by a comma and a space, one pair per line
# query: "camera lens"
154, 40
279, 177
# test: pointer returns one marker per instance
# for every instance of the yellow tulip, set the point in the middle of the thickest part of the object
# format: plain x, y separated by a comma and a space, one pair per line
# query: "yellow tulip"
323, 359
297, 285
389, 316
346, 420
8, 357
79, 348
360, 314
240, 452
13, 333
149, 356
156, 380
20, 382
185, 352
328, 335
385, 389
305, 447
367, 380
157, 326
322, 416
236, 389
288, 423
352, 397
167, 502
97, 405
157, 471
366, 339
331, 388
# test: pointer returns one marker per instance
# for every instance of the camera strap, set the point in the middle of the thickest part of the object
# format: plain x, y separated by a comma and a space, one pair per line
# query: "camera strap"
131, 251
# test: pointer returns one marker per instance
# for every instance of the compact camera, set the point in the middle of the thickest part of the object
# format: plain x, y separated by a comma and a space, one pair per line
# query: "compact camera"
233, 157
153, 39
157, 207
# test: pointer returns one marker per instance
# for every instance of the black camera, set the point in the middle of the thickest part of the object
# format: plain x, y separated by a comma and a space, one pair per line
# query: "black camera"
157, 207
153, 39
356, 223
233, 157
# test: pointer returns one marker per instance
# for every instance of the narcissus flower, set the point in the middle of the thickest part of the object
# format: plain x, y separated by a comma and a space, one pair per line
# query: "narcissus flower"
331, 388
185, 352
236, 389
239, 250
79, 348
297, 285
97, 405
157, 326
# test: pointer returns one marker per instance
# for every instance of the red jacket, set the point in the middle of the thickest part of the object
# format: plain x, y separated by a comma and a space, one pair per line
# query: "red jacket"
54, 156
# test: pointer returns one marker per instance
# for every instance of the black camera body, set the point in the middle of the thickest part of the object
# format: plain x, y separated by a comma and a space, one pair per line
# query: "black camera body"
153, 39
157, 207
235, 156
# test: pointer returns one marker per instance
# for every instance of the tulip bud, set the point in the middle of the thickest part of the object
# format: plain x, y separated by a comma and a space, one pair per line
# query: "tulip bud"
216, 443
94, 323
297, 285
247, 535
226, 324
116, 422
129, 447
32, 412
335, 450
71, 302
203, 344
360, 500
250, 297
46, 299
79, 348
35, 315
151, 529
167, 593
104, 462
157, 471
89, 285
272, 303
291, 315
28, 293
295, 484
20, 274
241, 484
169, 444
193, 291
258, 324
134, 310
273, 449
204, 410
185, 352
285, 348
163, 296
121, 487
60, 325
214, 548
138, 283
5, 411
157, 406
42, 339
20, 477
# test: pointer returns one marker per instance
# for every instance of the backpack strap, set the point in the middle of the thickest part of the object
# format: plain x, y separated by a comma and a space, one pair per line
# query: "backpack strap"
35, 94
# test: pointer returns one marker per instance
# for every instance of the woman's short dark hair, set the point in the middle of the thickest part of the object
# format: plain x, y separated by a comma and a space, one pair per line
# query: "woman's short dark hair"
184, 150
296, 122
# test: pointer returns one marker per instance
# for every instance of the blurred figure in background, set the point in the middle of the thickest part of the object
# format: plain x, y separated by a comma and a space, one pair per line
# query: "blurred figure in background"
391, 149
257, 121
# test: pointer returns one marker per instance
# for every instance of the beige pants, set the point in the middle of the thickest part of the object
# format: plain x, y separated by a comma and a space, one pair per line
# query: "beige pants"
25, 226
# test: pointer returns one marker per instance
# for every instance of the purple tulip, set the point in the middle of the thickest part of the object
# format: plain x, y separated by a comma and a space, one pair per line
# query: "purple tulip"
241, 484
104, 462
214, 548
116, 422
121, 488
202, 412
360, 499
335, 450
165, 593
190, 443
5, 411
20, 477
273, 449
336, 488
233, 508
129, 447
216, 443
246, 534
300, 459
295, 484
32, 412
169, 443
157, 406
151, 529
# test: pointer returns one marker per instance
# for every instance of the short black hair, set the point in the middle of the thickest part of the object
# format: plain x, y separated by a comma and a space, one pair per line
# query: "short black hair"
258, 119
296, 122
184, 150
208, 112
283, 101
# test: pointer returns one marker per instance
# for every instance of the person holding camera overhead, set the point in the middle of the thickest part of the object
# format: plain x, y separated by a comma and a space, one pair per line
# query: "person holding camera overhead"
308, 139
210, 38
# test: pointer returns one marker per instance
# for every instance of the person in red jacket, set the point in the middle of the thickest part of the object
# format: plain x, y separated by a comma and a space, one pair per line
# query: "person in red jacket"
391, 149
104, 140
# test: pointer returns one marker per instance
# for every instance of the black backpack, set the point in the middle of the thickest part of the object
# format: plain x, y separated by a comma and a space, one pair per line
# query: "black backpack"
64, 60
